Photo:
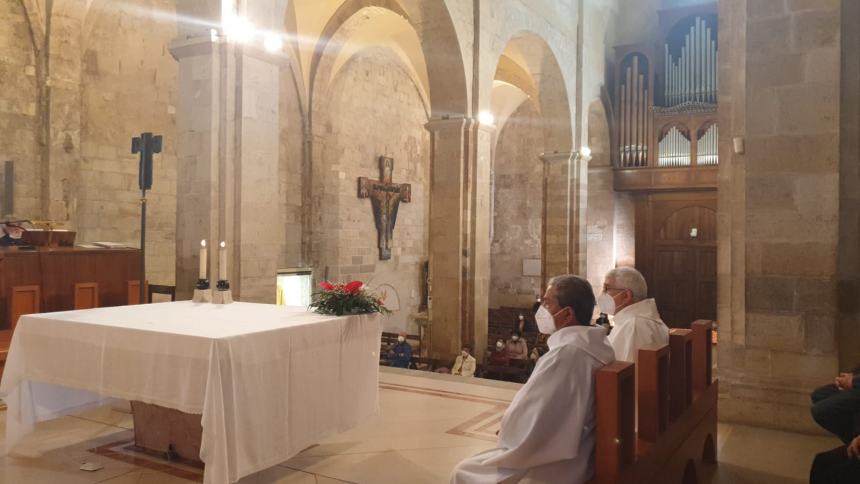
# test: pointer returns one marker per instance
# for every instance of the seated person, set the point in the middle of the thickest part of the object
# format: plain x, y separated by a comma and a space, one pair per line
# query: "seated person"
400, 355
838, 466
517, 347
465, 363
834, 406
547, 433
11, 234
499, 356
637, 322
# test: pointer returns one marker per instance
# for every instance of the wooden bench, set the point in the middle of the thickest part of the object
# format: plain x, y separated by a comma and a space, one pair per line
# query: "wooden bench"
390, 339
677, 402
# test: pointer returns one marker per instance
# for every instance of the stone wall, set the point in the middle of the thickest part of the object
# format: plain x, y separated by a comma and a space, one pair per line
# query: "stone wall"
19, 97
779, 208
518, 209
372, 108
128, 86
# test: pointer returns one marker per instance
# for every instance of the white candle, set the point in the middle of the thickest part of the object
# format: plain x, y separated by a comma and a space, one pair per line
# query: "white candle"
222, 262
203, 253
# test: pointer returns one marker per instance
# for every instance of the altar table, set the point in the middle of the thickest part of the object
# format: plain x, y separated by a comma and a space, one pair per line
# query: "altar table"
268, 380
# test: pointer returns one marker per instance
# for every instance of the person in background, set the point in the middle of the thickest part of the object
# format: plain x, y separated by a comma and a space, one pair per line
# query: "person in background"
520, 324
400, 355
637, 322
517, 347
499, 355
11, 234
465, 363
838, 466
548, 432
834, 406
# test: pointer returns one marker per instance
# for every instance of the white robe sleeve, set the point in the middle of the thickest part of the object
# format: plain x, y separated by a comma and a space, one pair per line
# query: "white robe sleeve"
545, 422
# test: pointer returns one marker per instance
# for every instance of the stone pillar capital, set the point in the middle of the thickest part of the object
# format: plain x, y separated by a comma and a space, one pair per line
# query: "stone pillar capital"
192, 47
557, 156
436, 125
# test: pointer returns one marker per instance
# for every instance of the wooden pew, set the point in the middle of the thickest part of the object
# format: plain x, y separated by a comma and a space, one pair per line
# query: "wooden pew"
676, 442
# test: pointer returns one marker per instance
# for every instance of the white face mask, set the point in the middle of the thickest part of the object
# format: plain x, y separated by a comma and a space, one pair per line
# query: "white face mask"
500, 345
606, 303
545, 321
401, 339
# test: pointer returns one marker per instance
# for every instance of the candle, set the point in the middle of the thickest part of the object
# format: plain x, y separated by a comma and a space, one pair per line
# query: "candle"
203, 253
222, 262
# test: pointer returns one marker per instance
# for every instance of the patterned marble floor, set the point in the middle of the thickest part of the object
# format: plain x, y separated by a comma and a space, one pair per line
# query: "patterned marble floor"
426, 425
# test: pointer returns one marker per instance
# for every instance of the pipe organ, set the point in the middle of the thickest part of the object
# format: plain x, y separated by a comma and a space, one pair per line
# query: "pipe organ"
692, 77
635, 113
674, 149
665, 100
707, 146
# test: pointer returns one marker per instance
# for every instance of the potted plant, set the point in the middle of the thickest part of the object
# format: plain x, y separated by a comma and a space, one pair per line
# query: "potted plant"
349, 298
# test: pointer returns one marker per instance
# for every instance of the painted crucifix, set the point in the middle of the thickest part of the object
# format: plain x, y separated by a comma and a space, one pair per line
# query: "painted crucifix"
385, 197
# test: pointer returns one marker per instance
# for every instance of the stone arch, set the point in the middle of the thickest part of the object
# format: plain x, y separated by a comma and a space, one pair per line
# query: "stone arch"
536, 58
438, 42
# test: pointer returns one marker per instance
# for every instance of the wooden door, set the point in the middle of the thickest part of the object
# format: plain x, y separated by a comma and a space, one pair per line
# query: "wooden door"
676, 250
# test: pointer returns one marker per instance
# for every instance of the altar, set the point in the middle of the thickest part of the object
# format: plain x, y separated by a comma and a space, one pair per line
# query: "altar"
269, 381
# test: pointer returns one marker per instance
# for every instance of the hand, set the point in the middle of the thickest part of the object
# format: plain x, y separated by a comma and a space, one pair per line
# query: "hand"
844, 381
854, 448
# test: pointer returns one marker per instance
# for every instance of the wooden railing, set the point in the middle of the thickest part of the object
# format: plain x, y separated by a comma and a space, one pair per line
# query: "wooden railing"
677, 404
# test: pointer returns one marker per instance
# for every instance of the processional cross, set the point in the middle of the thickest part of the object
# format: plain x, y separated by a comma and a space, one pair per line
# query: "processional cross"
385, 198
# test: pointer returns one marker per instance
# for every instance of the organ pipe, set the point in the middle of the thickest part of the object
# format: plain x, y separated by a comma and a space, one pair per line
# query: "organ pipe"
674, 149
692, 77
634, 113
707, 152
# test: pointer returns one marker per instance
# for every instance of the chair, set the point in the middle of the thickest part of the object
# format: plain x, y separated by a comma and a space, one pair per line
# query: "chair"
157, 289
23, 300
86, 295
133, 294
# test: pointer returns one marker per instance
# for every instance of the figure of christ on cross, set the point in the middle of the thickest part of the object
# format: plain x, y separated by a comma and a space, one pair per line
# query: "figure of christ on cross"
385, 197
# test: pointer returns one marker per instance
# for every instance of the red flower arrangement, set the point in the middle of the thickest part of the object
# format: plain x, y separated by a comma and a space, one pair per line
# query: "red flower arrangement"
350, 298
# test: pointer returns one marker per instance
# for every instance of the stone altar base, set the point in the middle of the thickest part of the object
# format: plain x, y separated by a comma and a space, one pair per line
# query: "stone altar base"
167, 432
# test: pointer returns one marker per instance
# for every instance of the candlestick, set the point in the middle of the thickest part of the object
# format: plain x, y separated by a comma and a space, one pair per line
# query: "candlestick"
222, 262
203, 257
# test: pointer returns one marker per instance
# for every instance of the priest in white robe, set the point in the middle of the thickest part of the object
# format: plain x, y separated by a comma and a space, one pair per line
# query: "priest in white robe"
637, 322
547, 434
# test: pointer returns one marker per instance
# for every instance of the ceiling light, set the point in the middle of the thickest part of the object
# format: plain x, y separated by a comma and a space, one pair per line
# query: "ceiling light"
486, 118
273, 42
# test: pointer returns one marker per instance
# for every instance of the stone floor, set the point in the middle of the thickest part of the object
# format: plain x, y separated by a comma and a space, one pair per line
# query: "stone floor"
426, 425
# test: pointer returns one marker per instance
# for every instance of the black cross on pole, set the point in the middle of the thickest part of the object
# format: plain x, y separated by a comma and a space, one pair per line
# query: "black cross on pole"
147, 145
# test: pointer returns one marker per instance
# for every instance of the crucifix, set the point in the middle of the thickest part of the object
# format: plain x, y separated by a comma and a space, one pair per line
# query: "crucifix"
385, 197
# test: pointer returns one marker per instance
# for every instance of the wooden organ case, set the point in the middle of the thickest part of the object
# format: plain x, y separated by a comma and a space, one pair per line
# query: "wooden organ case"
665, 105
665, 141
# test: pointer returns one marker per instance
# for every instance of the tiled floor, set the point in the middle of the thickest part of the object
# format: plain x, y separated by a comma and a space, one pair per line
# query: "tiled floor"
427, 424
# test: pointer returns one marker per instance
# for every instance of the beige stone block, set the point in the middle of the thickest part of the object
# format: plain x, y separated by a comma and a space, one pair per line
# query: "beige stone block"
770, 293
819, 334
816, 28
808, 108
803, 367
800, 259
775, 331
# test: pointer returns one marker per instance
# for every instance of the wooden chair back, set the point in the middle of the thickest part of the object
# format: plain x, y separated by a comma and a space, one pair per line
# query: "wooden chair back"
653, 398
615, 418
86, 295
23, 300
680, 371
134, 291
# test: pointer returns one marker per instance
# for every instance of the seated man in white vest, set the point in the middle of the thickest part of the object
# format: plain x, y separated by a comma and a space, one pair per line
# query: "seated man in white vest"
637, 322
547, 433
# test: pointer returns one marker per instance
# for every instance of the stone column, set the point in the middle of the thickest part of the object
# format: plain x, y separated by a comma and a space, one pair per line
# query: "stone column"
565, 201
779, 208
227, 173
459, 235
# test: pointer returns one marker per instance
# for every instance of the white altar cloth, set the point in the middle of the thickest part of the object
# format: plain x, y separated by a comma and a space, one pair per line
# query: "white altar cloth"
268, 380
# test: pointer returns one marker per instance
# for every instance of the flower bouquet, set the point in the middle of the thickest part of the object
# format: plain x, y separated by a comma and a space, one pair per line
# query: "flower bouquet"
349, 298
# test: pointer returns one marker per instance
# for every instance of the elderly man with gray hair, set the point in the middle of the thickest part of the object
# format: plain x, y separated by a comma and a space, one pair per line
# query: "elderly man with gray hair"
637, 322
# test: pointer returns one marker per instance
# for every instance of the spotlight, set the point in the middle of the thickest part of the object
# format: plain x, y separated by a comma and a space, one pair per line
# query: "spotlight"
585, 151
238, 29
273, 42
486, 118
